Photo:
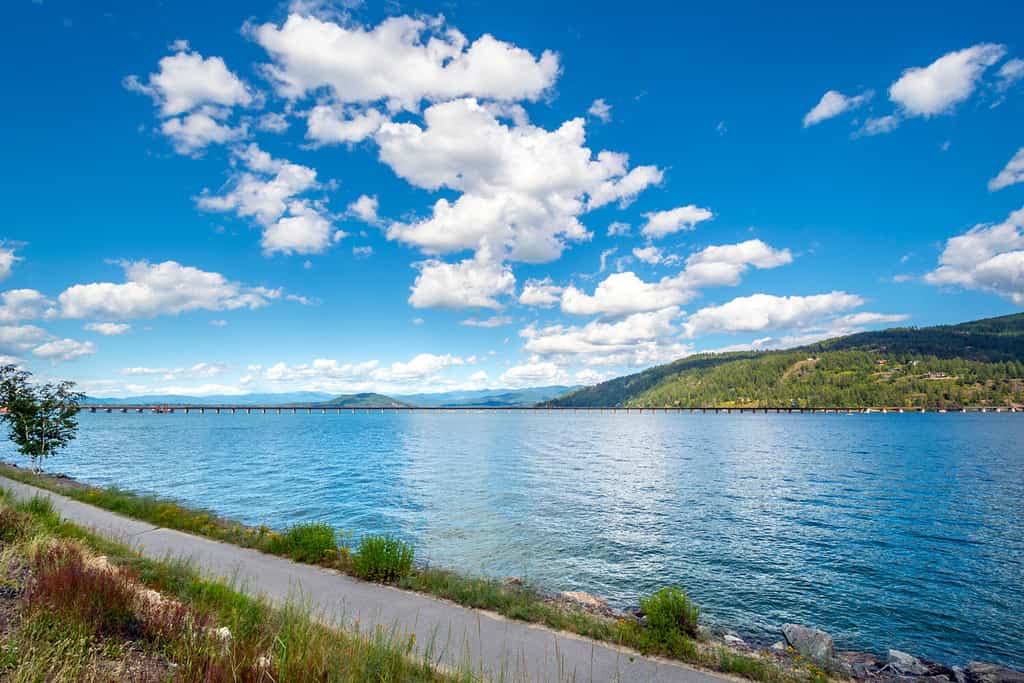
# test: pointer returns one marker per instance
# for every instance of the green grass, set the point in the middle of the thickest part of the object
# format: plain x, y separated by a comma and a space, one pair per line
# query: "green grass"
390, 560
382, 558
312, 542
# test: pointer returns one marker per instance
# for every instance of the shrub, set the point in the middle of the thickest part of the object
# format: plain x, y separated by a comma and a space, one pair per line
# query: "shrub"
670, 614
311, 542
382, 558
100, 597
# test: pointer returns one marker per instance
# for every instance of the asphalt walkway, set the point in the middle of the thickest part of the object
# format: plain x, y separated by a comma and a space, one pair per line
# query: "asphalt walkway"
454, 636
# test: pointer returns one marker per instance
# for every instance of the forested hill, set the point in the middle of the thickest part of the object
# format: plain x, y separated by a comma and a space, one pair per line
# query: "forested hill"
364, 400
974, 363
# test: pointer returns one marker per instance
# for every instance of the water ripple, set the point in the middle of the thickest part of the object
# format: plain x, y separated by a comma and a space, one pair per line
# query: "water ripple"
886, 531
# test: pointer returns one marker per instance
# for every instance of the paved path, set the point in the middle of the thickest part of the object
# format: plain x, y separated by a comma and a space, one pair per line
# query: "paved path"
499, 648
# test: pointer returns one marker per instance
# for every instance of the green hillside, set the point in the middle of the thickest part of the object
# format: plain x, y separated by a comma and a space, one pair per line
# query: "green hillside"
364, 400
948, 366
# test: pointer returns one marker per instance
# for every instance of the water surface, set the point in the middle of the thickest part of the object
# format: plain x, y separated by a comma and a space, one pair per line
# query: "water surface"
897, 531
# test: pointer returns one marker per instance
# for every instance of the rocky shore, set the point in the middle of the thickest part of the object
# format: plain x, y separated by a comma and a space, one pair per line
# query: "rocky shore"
800, 644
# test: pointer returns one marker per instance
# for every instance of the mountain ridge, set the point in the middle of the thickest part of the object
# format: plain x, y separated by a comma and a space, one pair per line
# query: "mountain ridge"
944, 366
479, 398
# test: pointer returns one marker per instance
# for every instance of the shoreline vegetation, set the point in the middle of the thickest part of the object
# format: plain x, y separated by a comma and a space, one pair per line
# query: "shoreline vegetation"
77, 607
667, 624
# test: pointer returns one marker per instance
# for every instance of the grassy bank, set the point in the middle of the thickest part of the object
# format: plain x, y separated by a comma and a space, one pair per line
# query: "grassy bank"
75, 607
670, 628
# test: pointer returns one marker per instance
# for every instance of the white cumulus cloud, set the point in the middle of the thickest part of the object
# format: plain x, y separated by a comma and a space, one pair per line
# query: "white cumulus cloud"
365, 209
167, 288
1010, 72
186, 80
638, 339
949, 80
600, 109
15, 339
7, 260
714, 266
832, 104
269, 193
342, 125
523, 188
534, 374
986, 257
108, 329
194, 131
402, 61
64, 350
1011, 174
661, 223
17, 305
543, 293
195, 96
622, 293
471, 283
767, 312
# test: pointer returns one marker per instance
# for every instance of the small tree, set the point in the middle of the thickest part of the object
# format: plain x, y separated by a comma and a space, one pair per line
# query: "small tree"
40, 417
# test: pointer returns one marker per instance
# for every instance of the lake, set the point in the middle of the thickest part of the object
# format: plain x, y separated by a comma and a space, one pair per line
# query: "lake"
899, 530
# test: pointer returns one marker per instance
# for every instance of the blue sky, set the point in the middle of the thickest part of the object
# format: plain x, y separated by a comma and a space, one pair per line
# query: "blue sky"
223, 198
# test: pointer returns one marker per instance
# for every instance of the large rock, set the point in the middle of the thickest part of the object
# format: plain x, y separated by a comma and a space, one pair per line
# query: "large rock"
733, 639
815, 645
861, 664
586, 600
906, 664
983, 672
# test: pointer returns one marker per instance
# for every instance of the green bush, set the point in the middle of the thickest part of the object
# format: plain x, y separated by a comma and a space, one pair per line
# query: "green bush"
670, 614
310, 542
382, 558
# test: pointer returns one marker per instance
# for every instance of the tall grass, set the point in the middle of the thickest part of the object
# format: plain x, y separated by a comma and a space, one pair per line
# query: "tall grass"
313, 543
65, 585
382, 558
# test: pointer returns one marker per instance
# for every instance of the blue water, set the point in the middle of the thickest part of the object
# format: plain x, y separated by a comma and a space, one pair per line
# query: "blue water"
897, 531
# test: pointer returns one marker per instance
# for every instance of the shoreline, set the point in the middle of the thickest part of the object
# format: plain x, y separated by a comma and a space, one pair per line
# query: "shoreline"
797, 646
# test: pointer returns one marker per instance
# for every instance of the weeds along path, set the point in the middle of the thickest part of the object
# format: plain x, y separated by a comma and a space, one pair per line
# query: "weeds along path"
454, 637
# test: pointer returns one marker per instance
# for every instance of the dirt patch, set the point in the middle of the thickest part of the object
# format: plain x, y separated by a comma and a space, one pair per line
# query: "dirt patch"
800, 368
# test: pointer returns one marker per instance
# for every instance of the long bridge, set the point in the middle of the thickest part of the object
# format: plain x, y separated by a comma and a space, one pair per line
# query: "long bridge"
310, 409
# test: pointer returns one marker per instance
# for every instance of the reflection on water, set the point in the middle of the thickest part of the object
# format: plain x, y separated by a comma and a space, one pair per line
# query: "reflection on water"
886, 530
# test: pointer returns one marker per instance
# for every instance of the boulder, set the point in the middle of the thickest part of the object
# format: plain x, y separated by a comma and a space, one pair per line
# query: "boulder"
861, 664
906, 664
733, 639
586, 599
816, 646
985, 672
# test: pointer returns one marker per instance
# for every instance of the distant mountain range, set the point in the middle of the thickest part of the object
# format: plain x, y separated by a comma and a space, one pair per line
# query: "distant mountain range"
947, 366
297, 397
486, 398
482, 398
